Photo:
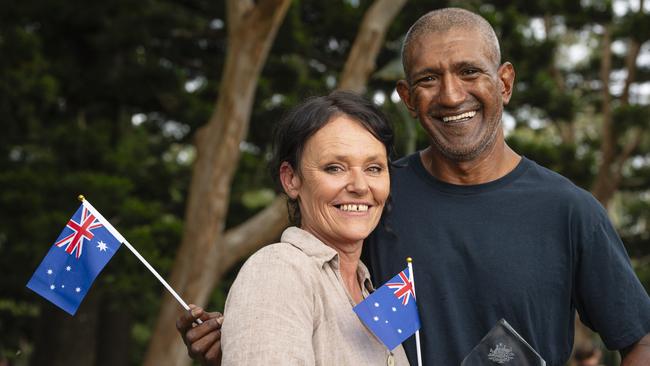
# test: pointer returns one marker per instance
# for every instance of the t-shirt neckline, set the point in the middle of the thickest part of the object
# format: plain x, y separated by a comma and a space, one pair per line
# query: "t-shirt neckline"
416, 162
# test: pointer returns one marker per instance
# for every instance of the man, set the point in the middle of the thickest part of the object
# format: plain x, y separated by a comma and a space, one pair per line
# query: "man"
492, 234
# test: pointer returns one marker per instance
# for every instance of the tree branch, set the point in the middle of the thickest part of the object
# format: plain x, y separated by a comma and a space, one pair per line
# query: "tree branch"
634, 48
367, 44
565, 128
263, 228
629, 148
603, 186
235, 10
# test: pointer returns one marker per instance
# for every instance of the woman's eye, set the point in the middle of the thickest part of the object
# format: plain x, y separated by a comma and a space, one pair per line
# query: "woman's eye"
375, 169
333, 169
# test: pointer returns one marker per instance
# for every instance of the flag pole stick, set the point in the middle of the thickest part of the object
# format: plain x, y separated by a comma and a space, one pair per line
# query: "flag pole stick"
409, 260
119, 236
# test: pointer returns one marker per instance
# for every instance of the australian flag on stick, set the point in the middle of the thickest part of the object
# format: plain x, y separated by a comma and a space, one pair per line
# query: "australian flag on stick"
390, 312
82, 250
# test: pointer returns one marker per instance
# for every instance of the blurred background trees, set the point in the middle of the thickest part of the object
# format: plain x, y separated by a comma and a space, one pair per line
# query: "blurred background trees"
109, 99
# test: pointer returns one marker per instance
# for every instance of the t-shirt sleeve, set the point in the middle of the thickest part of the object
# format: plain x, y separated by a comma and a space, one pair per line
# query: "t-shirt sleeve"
609, 297
268, 317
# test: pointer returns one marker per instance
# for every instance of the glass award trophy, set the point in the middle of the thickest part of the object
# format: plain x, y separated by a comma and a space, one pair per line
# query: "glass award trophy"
503, 346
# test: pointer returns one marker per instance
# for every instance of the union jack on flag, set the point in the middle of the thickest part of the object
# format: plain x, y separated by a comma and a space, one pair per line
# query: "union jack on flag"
404, 287
80, 230
67, 271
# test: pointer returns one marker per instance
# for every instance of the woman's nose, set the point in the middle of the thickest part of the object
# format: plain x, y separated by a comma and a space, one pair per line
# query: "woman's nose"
357, 183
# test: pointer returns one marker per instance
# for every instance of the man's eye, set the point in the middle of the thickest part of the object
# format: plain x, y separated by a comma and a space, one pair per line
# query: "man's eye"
469, 72
375, 169
425, 79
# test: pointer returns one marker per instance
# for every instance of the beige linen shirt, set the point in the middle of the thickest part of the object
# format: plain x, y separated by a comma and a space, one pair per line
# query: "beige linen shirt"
288, 306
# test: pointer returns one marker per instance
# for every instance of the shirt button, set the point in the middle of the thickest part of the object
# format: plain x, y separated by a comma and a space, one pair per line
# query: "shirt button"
390, 361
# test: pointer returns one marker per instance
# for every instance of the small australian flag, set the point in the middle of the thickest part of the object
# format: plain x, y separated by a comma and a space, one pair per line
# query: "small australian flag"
390, 312
82, 250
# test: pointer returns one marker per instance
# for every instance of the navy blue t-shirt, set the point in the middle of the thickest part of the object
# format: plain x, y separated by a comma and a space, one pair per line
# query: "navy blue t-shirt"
530, 247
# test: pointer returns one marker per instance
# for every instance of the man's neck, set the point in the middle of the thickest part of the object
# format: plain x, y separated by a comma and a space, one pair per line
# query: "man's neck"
493, 164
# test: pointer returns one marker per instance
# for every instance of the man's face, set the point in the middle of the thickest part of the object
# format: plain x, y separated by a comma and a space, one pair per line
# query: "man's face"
457, 91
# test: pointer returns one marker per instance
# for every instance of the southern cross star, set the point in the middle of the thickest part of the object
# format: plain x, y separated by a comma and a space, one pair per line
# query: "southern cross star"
102, 246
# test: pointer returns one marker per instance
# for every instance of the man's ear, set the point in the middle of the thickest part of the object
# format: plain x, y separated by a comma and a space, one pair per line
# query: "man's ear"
506, 75
405, 94
290, 180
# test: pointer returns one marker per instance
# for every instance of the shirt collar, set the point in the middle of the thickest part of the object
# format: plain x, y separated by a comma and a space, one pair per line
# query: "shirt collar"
363, 275
309, 244
314, 248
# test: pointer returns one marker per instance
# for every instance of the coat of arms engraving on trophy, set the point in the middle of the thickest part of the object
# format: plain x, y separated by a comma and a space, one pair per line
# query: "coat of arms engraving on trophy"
501, 354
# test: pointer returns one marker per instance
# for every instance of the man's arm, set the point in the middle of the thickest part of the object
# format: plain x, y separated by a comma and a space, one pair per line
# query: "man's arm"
637, 354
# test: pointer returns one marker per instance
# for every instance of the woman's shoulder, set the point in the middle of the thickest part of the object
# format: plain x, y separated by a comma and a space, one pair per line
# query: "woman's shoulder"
279, 254
277, 262
270, 276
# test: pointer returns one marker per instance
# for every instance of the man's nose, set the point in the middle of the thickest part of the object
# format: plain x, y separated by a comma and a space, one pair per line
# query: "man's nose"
452, 92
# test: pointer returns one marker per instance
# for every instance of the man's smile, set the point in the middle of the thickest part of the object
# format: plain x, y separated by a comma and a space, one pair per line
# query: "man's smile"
462, 117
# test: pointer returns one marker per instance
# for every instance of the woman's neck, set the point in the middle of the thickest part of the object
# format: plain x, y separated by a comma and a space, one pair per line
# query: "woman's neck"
349, 256
348, 265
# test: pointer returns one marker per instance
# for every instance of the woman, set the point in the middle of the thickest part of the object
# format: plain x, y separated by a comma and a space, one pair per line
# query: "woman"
292, 301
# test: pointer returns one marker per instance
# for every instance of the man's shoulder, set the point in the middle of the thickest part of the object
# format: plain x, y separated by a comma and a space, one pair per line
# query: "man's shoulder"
544, 181
402, 164
404, 160
549, 178
405, 168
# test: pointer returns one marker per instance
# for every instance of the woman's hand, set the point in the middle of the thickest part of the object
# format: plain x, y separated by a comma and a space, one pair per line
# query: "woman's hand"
203, 341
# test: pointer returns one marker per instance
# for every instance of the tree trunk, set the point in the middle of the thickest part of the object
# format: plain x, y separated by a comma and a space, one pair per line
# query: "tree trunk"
605, 183
613, 158
63, 340
251, 30
206, 252
565, 128
113, 336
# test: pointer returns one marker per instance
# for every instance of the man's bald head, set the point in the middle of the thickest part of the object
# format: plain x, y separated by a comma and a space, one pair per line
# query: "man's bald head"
443, 20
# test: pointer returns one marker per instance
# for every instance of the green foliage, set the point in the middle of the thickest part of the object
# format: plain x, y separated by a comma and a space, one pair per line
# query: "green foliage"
628, 116
635, 25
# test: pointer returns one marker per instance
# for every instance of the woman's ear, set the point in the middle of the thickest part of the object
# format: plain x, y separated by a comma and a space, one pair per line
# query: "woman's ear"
290, 180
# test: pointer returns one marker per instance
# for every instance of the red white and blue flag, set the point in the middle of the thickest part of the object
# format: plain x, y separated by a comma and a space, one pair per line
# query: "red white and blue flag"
82, 229
391, 312
78, 255
403, 287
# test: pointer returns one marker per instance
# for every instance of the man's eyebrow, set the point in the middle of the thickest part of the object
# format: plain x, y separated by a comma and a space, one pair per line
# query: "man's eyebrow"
455, 66
467, 64
425, 71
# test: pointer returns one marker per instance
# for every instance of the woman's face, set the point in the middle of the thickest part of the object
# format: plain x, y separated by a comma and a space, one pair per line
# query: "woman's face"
343, 182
